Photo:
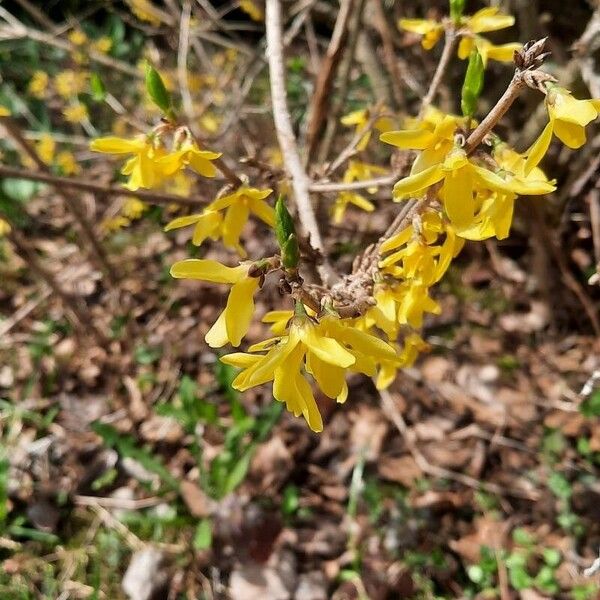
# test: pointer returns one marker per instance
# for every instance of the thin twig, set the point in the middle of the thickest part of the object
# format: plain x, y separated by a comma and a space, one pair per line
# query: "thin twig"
182, 54
327, 186
286, 137
450, 40
74, 206
86, 186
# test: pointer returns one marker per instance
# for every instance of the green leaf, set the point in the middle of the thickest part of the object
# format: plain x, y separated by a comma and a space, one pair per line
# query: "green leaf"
156, 89
286, 235
560, 486
291, 500
203, 535
238, 473
551, 556
473, 84
97, 86
19, 190
590, 407
456, 9
475, 573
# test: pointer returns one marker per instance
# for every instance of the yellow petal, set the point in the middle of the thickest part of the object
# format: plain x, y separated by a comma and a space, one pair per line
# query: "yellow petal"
327, 349
182, 222
503, 52
570, 134
116, 145
240, 309
458, 196
206, 226
329, 378
207, 270
200, 162
241, 360
233, 223
263, 211
415, 139
488, 19
538, 150
417, 183
216, 336
464, 47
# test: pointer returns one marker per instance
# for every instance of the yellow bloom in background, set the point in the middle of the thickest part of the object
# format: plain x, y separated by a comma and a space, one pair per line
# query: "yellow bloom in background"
360, 119
568, 118
252, 9
45, 148
233, 323
487, 50
484, 20
344, 199
146, 11
102, 44
38, 84
4, 227
76, 113
142, 167
189, 155
69, 83
4, 112
239, 205
77, 37
115, 223
67, 163
413, 346
210, 123
431, 30
133, 208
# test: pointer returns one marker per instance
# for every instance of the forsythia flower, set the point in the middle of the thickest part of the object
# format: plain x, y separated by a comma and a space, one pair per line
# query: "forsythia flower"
146, 11
189, 155
38, 84
232, 324
77, 37
102, 44
252, 9
45, 148
4, 112
325, 350
4, 227
76, 113
360, 118
133, 208
70, 83
238, 206
568, 118
484, 20
142, 167
66, 162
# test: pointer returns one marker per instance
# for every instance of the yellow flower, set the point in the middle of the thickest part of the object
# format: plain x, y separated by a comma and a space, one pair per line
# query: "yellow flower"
208, 224
189, 155
360, 118
345, 198
487, 50
431, 30
252, 9
232, 324
45, 148
484, 20
4, 112
240, 204
76, 113
4, 227
133, 208
77, 37
283, 362
146, 11
413, 345
209, 123
38, 84
102, 44
460, 180
67, 164
115, 223
568, 118
143, 168
69, 83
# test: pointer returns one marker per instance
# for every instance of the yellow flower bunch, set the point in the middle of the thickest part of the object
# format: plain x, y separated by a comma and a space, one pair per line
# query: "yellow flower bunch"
76, 113
151, 164
69, 83
469, 28
360, 120
326, 350
356, 171
132, 209
237, 207
38, 84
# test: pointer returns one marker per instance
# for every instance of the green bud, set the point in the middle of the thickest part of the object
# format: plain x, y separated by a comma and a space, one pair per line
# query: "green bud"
156, 89
98, 89
285, 231
456, 9
473, 84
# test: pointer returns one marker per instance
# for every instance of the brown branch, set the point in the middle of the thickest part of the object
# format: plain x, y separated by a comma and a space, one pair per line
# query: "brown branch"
72, 204
450, 41
324, 84
286, 137
96, 188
